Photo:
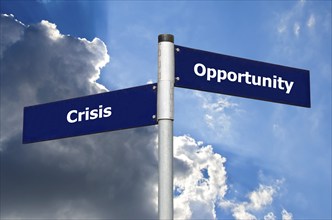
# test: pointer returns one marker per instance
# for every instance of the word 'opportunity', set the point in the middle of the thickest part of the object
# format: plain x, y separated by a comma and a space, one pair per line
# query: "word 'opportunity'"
221, 75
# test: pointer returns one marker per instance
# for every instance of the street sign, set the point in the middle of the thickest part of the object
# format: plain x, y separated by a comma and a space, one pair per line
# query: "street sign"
212, 72
136, 107
122, 109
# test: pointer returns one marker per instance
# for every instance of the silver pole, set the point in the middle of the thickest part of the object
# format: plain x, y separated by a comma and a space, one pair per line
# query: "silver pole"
165, 112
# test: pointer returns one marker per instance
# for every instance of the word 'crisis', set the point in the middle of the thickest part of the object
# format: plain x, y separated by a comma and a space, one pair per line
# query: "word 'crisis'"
74, 116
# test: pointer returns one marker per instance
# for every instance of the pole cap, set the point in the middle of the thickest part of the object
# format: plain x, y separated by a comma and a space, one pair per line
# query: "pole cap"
165, 37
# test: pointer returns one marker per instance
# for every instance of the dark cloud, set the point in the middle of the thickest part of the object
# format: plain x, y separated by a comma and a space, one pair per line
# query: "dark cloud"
108, 175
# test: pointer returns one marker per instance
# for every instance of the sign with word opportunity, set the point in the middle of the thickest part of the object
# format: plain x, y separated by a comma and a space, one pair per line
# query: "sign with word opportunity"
211, 72
122, 109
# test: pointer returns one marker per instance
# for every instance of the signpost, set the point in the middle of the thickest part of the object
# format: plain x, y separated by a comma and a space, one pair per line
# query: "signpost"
147, 105
211, 72
122, 109
165, 110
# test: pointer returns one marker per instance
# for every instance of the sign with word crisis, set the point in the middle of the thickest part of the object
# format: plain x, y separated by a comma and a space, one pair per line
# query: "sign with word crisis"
212, 72
116, 110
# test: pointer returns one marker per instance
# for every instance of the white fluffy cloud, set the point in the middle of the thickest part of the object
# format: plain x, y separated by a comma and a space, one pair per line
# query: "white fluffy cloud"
259, 200
261, 197
201, 185
200, 179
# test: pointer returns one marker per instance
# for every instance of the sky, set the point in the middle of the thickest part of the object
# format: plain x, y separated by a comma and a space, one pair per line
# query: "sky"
234, 158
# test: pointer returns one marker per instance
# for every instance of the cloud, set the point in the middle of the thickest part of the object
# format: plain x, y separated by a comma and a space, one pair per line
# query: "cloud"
286, 215
200, 179
39, 65
291, 19
297, 26
261, 197
270, 216
311, 21
14, 31
200, 185
259, 200
309, 50
219, 112
95, 176
240, 212
296, 29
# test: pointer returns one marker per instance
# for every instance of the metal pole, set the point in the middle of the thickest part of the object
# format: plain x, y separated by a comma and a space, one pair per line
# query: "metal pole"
165, 113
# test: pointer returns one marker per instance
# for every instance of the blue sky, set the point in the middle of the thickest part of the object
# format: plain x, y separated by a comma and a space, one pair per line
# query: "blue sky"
265, 144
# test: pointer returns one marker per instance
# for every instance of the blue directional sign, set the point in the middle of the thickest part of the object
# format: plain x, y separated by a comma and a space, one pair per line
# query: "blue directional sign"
211, 72
122, 109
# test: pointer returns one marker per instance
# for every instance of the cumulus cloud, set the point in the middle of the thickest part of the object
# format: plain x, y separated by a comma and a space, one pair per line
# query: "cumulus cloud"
200, 180
95, 176
200, 186
259, 200
16, 31
240, 212
38, 64
261, 197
